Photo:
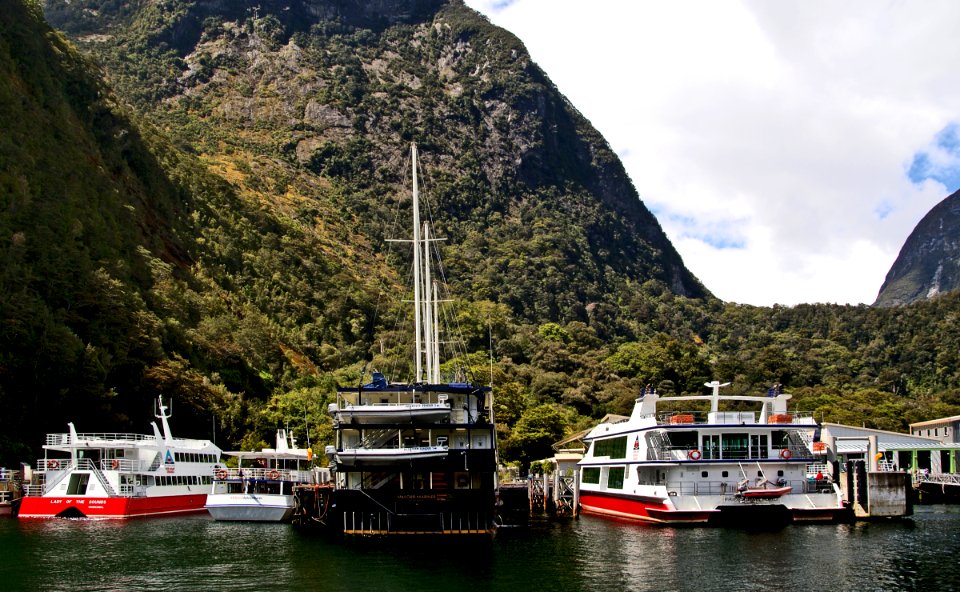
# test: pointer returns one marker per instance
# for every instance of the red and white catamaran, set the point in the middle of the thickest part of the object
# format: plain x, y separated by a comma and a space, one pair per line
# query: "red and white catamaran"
697, 467
120, 475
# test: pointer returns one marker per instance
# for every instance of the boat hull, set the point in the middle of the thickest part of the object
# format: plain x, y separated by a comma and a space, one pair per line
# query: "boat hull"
109, 507
714, 509
646, 509
250, 507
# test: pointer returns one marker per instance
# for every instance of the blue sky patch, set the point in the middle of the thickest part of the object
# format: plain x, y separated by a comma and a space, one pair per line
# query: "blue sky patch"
724, 234
939, 161
884, 209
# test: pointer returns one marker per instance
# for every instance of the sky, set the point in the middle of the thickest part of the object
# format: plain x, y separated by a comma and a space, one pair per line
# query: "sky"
787, 148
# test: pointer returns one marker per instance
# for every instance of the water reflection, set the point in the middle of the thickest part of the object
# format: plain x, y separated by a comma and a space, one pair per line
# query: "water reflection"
588, 554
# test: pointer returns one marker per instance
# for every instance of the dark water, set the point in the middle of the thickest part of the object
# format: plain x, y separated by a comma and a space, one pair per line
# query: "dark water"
590, 554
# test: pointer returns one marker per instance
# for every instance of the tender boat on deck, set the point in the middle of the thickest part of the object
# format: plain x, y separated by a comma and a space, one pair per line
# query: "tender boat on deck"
261, 488
384, 403
120, 475
717, 467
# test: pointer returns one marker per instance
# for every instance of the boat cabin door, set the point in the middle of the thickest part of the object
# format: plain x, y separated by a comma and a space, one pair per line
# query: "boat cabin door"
711, 446
758, 446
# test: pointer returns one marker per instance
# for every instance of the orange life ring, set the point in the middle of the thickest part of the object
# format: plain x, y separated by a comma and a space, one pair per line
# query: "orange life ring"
274, 474
115, 464
694, 455
53, 464
785, 454
221, 474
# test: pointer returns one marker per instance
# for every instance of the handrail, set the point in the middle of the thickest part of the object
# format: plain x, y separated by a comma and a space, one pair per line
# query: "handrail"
682, 418
374, 500
61, 467
124, 465
63, 439
59, 470
9, 475
943, 478
261, 474
730, 487
86, 463
377, 438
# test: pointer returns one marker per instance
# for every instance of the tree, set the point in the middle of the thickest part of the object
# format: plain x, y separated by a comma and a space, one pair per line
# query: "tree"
535, 433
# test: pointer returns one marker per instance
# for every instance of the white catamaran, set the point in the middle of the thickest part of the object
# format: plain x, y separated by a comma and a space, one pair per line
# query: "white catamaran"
695, 467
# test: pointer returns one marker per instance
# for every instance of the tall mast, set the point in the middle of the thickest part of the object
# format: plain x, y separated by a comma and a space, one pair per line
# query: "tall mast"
428, 319
435, 352
416, 267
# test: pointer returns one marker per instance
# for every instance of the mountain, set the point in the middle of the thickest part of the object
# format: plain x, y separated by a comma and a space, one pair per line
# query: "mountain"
195, 197
929, 262
310, 105
195, 204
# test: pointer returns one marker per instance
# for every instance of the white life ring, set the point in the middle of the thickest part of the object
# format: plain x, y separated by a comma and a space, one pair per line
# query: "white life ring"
785, 454
53, 464
694, 455
274, 475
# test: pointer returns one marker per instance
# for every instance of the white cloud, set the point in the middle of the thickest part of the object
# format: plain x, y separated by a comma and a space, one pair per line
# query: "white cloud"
773, 140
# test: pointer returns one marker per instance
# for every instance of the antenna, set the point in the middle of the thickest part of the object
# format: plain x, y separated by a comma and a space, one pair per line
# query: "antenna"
163, 416
715, 401
306, 425
490, 348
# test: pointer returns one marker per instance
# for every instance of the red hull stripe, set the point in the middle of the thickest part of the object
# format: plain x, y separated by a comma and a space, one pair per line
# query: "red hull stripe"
111, 507
631, 509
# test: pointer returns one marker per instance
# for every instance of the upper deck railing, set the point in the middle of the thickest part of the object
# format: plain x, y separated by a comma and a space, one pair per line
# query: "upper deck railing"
107, 438
64, 439
125, 465
679, 418
261, 474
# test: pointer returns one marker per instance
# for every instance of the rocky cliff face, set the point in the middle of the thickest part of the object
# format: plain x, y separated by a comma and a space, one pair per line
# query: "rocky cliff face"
320, 99
929, 262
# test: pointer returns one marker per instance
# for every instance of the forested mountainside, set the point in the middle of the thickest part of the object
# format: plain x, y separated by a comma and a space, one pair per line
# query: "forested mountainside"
313, 104
128, 267
929, 262
195, 203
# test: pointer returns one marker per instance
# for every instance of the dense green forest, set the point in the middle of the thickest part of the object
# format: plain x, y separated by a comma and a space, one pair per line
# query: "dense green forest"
195, 201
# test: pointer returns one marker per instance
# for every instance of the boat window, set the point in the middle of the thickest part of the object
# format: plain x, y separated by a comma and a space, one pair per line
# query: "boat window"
778, 439
591, 475
612, 447
734, 445
704, 474
725, 474
615, 477
685, 440
78, 484
647, 476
